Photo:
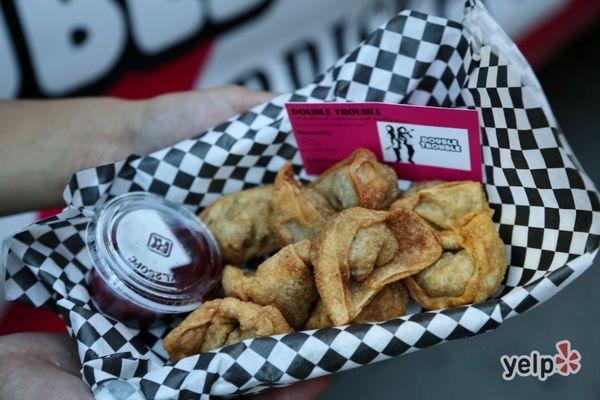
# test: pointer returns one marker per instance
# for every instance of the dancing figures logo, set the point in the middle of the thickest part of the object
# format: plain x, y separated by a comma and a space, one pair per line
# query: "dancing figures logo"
400, 138
566, 362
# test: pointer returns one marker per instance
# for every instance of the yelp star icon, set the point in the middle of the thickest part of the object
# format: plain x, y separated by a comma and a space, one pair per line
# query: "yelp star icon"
567, 361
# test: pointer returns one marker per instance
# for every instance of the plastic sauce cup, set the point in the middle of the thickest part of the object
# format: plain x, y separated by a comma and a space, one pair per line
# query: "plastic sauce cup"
152, 259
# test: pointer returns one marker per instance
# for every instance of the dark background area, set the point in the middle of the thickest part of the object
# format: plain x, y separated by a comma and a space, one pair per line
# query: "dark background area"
471, 368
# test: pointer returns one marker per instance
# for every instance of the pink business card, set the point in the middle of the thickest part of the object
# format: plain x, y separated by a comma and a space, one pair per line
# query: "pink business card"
420, 143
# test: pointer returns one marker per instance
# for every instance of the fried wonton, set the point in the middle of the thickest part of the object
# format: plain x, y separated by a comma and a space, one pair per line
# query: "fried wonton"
390, 302
341, 255
359, 181
372, 247
469, 275
319, 318
297, 210
222, 322
239, 222
358, 298
446, 205
285, 281
448, 276
417, 187
233, 281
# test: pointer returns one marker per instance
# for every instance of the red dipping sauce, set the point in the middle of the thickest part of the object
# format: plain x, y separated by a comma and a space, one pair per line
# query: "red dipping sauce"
152, 259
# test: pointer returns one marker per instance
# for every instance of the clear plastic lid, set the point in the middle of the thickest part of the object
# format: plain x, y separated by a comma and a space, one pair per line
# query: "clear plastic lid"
154, 253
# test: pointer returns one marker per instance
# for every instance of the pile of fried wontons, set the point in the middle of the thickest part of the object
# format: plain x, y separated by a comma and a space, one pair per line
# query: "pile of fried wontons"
352, 249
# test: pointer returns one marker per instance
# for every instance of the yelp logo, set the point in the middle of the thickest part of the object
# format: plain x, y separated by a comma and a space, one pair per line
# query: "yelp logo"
566, 362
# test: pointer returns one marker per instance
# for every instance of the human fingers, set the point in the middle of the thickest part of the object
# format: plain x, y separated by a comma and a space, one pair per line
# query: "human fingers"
37, 365
170, 118
305, 390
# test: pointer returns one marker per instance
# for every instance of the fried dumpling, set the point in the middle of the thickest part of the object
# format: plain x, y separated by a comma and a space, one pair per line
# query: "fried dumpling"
297, 210
358, 181
448, 276
239, 222
319, 318
340, 255
233, 281
469, 275
372, 247
222, 322
285, 281
446, 205
358, 297
390, 302
417, 187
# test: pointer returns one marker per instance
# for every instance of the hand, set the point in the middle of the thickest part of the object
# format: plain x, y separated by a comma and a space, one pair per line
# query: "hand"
305, 390
45, 366
168, 119
40, 366
43, 142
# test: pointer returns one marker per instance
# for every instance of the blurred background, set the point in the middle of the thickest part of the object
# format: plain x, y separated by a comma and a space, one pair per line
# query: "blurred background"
138, 49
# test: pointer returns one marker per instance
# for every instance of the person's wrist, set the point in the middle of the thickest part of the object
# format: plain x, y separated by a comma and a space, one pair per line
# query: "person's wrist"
109, 136
132, 128
143, 123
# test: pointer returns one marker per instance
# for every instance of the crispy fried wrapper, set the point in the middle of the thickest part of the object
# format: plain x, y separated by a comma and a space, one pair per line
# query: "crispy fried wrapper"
319, 318
470, 274
239, 222
417, 187
390, 302
297, 210
222, 322
446, 205
233, 281
359, 181
397, 244
285, 281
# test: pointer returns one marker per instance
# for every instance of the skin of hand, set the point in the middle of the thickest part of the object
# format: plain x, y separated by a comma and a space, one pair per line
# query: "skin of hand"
42, 142
40, 366
45, 366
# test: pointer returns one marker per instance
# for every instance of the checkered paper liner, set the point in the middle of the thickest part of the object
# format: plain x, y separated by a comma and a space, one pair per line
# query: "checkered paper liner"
546, 209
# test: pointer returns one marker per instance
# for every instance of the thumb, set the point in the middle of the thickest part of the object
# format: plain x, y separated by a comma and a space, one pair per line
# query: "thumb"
170, 118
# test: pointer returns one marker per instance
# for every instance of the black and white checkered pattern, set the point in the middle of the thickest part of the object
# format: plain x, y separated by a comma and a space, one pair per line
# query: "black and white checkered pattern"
547, 212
